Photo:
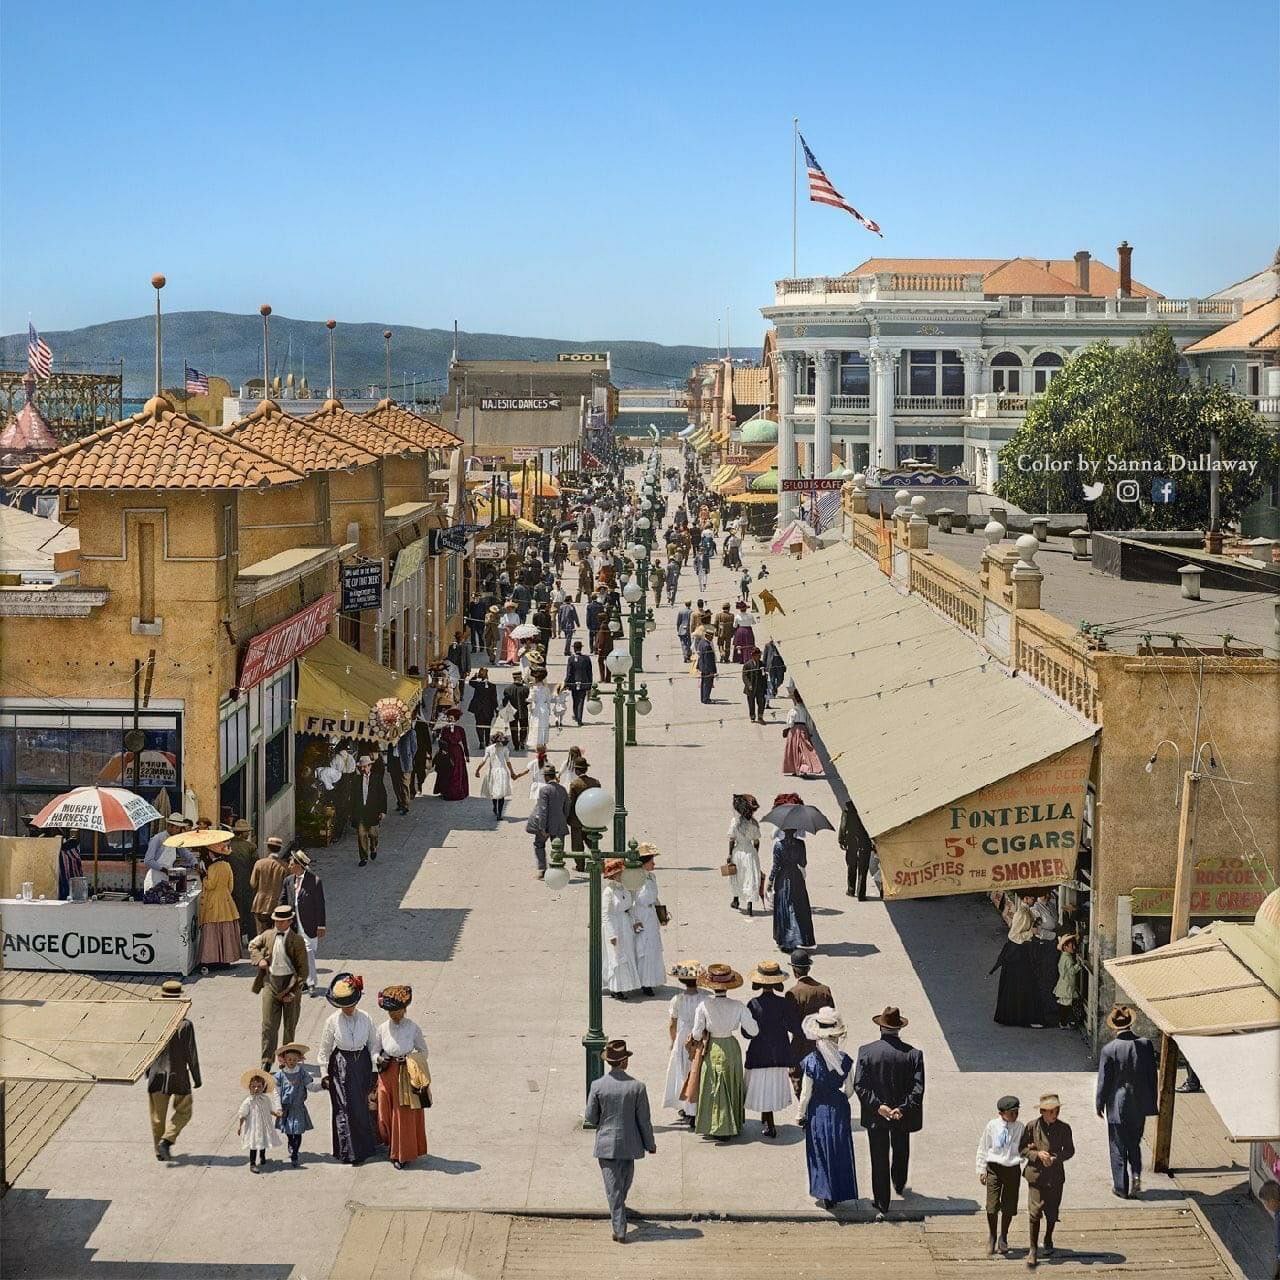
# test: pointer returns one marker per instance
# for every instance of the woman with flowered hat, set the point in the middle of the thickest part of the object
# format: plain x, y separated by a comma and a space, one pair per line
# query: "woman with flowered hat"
346, 1058
722, 1091
618, 932
681, 1010
219, 915
452, 754
404, 1080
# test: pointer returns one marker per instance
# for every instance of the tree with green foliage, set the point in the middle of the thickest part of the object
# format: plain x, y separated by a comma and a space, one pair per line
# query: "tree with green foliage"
1116, 405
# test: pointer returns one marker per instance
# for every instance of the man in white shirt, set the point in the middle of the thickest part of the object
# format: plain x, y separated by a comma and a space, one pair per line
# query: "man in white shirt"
157, 857
999, 1168
281, 956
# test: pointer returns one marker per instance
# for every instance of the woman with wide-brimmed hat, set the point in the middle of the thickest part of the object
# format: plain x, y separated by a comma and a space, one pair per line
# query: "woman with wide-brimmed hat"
792, 914
451, 751
618, 932
771, 1052
509, 646
649, 914
404, 1079
498, 771
825, 1089
722, 1091
744, 854
346, 1059
799, 758
219, 915
681, 1011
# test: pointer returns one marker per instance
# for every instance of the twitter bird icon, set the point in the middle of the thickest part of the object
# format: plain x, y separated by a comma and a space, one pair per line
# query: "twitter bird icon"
1092, 492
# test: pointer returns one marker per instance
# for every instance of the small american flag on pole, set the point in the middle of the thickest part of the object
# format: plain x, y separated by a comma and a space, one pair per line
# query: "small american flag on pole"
39, 357
822, 192
197, 382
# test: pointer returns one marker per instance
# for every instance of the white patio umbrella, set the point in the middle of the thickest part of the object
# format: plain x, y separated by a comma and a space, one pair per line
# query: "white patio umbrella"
98, 809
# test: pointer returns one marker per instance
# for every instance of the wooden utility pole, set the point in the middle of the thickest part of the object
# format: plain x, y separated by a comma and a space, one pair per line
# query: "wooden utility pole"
1181, 923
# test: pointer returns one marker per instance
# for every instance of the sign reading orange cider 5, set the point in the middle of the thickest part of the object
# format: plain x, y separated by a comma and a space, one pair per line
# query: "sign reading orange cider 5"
1019, 832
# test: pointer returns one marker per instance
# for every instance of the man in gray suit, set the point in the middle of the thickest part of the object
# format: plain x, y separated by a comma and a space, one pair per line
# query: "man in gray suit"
618, 1107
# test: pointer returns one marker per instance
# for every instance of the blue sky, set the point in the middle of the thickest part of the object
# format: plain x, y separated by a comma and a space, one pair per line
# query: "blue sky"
610, 170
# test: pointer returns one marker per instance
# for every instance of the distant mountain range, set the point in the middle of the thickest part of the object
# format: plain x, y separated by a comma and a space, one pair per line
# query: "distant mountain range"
230, 346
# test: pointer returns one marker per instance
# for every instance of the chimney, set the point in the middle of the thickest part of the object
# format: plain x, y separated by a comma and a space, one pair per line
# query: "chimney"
1125, 250
1082, 269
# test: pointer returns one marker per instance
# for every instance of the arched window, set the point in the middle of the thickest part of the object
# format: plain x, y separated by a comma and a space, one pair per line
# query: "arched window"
1006, 372
1045, 367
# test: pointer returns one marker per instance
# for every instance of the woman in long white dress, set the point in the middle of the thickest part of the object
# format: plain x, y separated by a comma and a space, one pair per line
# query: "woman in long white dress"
681, 1010
744, 853
618, 933
498, 772
541, 696
649, 960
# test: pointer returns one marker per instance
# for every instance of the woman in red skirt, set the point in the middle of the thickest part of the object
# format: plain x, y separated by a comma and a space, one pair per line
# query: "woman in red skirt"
403, 1079
799, 758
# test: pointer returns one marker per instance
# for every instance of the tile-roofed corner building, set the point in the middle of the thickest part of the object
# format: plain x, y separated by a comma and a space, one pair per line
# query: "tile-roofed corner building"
196, 546
937, 359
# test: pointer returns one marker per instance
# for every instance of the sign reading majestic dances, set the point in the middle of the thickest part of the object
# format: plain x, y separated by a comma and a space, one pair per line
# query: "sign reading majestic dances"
503, 404
362, 586
1020, 832
273, 649
823, 485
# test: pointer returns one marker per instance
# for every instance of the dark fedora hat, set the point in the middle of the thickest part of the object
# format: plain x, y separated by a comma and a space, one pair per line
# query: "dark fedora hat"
891, 1019
616, 1052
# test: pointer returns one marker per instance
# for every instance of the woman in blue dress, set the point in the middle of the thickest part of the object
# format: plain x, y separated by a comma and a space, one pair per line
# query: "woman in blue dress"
792, 915
826, 1084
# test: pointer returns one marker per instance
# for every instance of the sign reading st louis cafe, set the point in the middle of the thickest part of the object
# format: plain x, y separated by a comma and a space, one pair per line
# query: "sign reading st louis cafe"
1018, 833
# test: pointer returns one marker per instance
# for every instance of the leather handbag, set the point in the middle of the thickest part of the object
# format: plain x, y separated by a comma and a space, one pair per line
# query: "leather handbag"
664, 916
728, 869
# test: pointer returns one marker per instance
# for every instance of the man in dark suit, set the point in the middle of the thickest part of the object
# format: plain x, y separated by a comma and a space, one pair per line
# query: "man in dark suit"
594, 614
550, 817
369, 807
684, 622
1126, 1094
706, 668
808, 995
889, 1082
303, 892
171, 1078
618, 1108
578, 678
582, 781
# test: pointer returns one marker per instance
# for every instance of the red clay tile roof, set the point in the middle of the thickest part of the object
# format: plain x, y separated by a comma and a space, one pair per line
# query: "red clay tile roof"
356, 429
421, 431
1256, 330
300, 443
158, 448
1054, 277
28, 430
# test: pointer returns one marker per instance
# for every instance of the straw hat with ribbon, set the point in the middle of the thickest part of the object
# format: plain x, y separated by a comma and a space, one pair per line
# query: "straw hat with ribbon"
768, 973
721, 977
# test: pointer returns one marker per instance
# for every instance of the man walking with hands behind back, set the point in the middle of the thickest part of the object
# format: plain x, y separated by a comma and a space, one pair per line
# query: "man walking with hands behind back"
618, 1108
889, 1082
1126, 1095
171, 1078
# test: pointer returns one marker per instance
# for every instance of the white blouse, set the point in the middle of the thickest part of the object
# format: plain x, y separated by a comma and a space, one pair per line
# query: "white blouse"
399, 1039
343, 1032
799, 714
745, 833
723, 1017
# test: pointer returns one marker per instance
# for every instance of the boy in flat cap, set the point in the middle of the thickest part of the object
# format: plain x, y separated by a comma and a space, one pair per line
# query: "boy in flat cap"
999, 1165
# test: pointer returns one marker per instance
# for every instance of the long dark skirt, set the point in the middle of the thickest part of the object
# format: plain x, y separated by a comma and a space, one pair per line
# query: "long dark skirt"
1017, 1003
792, 914
350, 1083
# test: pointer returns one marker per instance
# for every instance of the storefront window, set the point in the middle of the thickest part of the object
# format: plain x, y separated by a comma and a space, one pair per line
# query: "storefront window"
277, 764
42, 758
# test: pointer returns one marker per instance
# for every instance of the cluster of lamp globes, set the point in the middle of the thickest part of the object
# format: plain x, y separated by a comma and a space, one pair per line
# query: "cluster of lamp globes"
618, 663
595, 811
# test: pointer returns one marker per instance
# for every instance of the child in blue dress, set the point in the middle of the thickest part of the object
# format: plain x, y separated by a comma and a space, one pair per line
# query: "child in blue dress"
294, 1084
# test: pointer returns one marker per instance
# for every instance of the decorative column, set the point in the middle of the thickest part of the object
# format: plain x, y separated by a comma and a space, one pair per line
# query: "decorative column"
787, 368
825, 382
883, 452
973, 359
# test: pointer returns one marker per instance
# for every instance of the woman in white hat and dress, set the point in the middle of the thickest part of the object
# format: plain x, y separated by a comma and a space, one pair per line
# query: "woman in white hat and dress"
744, 854
645, 910
826, 1086
681, 1010
618, 932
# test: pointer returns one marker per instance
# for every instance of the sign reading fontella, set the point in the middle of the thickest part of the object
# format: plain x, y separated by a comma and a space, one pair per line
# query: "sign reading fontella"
362, 586
1223, 886
823, 485
273, 649
502, 404
1020, 832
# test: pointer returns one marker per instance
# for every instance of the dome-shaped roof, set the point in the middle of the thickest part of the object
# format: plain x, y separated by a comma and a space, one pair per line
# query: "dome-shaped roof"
767, 483
760, 431
840, 473
1268, 915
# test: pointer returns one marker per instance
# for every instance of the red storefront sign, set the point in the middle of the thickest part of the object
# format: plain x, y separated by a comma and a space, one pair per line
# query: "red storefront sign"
273, 649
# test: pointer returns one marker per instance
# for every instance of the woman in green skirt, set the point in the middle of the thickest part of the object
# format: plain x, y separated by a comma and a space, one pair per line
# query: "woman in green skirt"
722, 1094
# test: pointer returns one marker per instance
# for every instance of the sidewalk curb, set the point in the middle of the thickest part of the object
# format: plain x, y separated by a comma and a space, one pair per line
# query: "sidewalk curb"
1219, 1247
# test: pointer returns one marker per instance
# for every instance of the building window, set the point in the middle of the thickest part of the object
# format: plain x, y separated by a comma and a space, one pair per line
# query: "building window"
934, 373
808, 378
1255, 380
1208, 375
1231, 377
1045, 367
855, 374
233, 738
146, 571
1006, 373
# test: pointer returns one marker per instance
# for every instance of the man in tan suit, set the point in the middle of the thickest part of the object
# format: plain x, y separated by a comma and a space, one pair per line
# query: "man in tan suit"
281, 956
265, 880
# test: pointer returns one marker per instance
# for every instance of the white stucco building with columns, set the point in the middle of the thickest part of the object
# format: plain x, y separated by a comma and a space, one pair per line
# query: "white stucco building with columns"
938, 359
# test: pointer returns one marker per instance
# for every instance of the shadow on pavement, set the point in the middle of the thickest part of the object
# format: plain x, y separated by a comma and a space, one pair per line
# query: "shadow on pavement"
438, 1164
47, 1239
851, 949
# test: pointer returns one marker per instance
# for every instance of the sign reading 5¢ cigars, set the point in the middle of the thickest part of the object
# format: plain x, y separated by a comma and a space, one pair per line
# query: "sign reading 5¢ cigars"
1017, 833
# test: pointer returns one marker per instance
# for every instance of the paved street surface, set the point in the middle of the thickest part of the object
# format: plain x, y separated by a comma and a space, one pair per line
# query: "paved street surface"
498, 966
421, 1245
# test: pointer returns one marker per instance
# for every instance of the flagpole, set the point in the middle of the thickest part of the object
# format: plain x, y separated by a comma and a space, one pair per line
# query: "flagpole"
795, 179
157, 283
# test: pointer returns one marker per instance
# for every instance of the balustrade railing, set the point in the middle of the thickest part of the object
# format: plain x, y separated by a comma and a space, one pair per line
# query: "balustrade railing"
1051, 654
847, 403
802, 402
950, 590
929, 404
1048, 306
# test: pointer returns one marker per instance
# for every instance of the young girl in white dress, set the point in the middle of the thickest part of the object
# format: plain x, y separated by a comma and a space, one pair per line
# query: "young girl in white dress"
649, 962
744, 853
255, 1121
681, 1011
541, 696
497, 770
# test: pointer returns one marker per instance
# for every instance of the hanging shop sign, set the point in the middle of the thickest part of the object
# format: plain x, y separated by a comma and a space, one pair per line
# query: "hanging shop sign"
362, 586
491, 551
454, 538
1223, 887
504, 404
273, 649
1020, 832
524, 454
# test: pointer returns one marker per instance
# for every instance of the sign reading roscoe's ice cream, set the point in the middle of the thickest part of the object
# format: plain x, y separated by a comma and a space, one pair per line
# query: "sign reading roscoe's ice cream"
1019, 832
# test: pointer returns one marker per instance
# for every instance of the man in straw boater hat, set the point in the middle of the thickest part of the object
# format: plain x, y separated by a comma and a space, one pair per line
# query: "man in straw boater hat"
171, 1078
618, 1109
303, 891
1047, 1145
281, 957
889, 1082
1126, 1096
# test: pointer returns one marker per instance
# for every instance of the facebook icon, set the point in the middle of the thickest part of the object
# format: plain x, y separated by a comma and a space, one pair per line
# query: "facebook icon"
1163, 489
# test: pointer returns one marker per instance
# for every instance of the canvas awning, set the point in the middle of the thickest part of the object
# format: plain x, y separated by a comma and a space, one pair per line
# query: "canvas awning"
1250, 1114
409, 560
923, 723
754, 499
338, 687
84, 1040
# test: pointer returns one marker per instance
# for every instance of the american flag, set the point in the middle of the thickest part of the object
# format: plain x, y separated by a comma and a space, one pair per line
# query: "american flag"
589, 460
197, 382
822, 192
39, 357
